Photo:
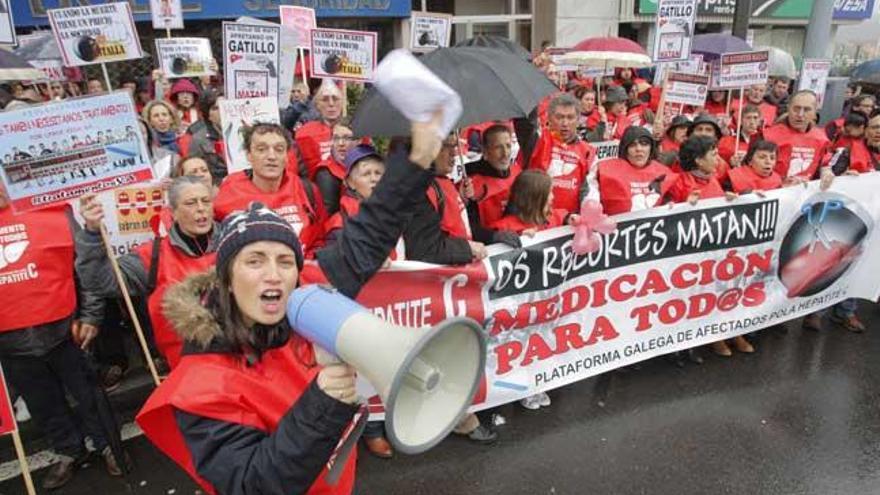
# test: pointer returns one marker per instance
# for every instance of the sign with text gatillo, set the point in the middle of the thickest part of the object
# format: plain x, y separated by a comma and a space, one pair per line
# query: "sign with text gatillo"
666, 280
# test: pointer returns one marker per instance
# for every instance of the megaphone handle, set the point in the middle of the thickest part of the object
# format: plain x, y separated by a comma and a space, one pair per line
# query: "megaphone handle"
325, 358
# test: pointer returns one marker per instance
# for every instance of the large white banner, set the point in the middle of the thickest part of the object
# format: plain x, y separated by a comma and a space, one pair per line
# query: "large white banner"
668, 279
58, 151
95, 34
251, 59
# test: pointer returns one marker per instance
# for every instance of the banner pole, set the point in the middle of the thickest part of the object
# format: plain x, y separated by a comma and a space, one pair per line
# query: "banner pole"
302, 64
22, 462
727, 109
168, 32
739, 116
106, 77
127, 297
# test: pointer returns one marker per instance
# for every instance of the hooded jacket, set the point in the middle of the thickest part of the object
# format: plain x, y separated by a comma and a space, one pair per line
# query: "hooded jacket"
623, 187
240, 426
186, 86
176, 258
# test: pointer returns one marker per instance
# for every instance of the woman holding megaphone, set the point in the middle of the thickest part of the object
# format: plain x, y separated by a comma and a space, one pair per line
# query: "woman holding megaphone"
247, 410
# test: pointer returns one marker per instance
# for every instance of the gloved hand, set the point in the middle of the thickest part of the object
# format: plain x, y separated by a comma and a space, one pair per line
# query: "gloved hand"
506, 237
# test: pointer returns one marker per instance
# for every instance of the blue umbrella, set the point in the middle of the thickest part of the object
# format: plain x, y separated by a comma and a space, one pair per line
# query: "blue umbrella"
713, 45
867, 72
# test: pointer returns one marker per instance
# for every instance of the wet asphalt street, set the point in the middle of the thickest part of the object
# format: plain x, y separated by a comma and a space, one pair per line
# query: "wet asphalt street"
800, 416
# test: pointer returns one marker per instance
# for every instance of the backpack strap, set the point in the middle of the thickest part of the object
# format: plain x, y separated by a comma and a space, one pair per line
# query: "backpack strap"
154, 265
441, 198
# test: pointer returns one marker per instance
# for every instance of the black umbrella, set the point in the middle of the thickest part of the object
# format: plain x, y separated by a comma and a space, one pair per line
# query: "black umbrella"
106, 415
497, 43
867, 72
493, 85
15, 68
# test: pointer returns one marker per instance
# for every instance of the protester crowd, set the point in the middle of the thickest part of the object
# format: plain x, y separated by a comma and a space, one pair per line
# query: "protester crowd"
519, 177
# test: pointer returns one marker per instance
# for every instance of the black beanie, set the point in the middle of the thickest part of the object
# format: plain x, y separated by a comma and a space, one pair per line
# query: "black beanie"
257, 223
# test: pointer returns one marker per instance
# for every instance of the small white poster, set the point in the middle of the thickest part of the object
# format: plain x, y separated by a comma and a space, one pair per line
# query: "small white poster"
185, 57
814, 76
95, 34
235, 117
7, 24
742, 69
251, 54
343, 54
429, 31
674, 30
166, 14
301, 20
687, 89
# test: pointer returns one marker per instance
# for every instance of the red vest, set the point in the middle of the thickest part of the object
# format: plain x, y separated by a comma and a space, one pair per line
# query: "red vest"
568, 166
688, 183
453, 218
515, 224
492, 194
715, 109
768, 113
290, 201
727, 147
36, 268
222, 387
744, 179
668, 145
314, 140
174, 266
799, 152
624, 188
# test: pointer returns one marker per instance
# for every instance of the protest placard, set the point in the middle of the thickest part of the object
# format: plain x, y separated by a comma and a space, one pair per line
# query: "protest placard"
556, 53
674, 30
235, 116
693, 65
740, 69
251, 53
429, 31
287, 58
185, 57
667, 280
301, 20
166, 14
131, 215
58, 151
95, 34
687, 89
7, 24
814, 76
343, 54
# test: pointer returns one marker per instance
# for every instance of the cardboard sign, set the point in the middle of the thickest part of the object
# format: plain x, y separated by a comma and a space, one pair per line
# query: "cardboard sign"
674, 30
131, 215
814, 76
7, 24
252, 57
58, 151
343, 54
429, 31
287, 68
53, 70
693, 65
301, 20
687, 89
744, 69
235, 116
166, 14
96, 34
185, 57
